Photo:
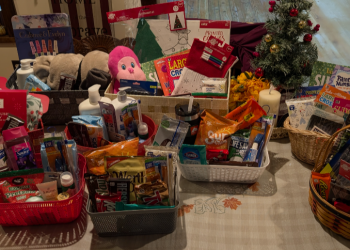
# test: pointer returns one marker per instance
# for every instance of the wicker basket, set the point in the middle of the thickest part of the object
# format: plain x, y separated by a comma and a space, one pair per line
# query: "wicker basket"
338, 221
306, 145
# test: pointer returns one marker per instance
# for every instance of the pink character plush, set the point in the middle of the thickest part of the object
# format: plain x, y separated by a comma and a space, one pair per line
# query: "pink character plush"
124, 64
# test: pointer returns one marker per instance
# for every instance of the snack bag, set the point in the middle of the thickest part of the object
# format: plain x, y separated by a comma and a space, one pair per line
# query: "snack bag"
18, 186
95, 158
156, 169
130, 119
132, 168
214, 155
247, 113
152, 193
96, 184
106, 203
322, 183
214, 129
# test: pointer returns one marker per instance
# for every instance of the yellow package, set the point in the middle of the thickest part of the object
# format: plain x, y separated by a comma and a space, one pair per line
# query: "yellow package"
95, 157
53, 153
132, 168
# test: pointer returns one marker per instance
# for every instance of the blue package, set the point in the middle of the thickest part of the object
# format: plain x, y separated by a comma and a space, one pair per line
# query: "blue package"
139, 87
193, 154
32, 83
307, 91
92, 120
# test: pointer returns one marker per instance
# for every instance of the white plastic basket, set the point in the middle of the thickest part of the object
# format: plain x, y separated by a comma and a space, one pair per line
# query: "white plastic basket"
224, 173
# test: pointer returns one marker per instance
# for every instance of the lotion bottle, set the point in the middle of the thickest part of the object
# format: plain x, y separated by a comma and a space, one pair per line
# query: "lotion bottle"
119, 103
90, 106
22, 73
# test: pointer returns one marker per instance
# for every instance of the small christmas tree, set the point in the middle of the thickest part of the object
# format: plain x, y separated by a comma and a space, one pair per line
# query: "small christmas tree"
286, 55
177, 24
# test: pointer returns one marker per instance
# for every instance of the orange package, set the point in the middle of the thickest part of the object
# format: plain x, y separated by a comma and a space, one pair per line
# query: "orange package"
322, 183
214, 130
95, 157
247, 113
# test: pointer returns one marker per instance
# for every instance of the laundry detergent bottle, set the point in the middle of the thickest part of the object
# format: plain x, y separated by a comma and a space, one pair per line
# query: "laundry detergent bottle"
119, 103
90, 106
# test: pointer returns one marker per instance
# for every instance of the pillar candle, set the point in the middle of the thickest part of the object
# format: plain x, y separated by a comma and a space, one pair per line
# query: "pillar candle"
270, 102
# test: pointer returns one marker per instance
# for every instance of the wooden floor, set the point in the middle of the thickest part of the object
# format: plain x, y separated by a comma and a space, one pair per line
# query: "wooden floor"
333, 39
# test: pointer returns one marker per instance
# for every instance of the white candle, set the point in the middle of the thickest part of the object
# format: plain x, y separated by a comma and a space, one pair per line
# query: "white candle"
270, 102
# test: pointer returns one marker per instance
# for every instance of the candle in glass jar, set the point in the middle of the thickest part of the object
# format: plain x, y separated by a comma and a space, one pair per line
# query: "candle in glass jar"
269, 100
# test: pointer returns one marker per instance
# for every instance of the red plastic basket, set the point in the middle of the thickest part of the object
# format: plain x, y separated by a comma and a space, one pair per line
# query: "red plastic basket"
152, 131
49, 212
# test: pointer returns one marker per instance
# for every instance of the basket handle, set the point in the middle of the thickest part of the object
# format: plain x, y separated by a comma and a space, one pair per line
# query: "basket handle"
328, 145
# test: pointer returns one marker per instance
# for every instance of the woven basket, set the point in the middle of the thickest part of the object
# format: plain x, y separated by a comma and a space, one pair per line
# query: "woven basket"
306, 145
338, 221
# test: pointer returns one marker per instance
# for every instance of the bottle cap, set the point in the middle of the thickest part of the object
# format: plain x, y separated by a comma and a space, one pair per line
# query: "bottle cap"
142, 129
94, 94
25, 63
255, 146
122, 94
66, 179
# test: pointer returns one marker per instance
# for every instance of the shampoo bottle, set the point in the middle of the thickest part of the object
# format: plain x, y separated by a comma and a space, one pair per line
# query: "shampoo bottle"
22, 73
90, 106
119, 103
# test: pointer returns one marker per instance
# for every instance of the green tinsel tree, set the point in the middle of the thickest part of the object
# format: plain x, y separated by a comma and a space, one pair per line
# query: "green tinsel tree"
286, 54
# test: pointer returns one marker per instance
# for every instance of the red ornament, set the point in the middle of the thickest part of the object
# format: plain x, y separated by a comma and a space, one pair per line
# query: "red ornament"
317, 27
271, 9
293, 12
309, 22
256, 54
272, 3
307, 38
259, 72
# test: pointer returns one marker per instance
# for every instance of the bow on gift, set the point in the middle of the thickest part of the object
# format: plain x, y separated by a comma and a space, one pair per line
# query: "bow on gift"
153, 200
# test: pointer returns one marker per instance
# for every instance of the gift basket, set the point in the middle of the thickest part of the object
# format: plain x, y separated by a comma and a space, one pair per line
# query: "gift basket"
313, 119
329, 185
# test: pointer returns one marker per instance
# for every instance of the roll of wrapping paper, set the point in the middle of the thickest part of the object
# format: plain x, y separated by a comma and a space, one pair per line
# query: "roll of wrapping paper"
32, 47
43, 43
55, 47
50, 48
38, 48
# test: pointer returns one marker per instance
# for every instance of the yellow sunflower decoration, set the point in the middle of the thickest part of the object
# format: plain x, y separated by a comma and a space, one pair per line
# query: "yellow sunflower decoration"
245, 86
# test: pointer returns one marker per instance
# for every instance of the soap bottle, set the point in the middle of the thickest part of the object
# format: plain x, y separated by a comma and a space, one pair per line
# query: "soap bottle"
119, 103
22, 73
90, 106
18, 149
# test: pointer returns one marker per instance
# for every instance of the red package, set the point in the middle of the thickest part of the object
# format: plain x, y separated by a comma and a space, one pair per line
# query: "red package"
18, 186
106, 203
217, 154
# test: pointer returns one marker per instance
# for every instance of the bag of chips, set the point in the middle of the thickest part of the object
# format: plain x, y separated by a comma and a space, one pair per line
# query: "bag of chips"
214, 130
95, 157
18, 186
247, 113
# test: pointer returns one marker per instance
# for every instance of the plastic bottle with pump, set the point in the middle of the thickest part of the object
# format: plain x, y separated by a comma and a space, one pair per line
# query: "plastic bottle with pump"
119, 103
25, 70
90, 106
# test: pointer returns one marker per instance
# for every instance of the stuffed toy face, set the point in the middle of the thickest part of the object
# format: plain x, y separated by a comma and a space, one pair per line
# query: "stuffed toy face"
124, 64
